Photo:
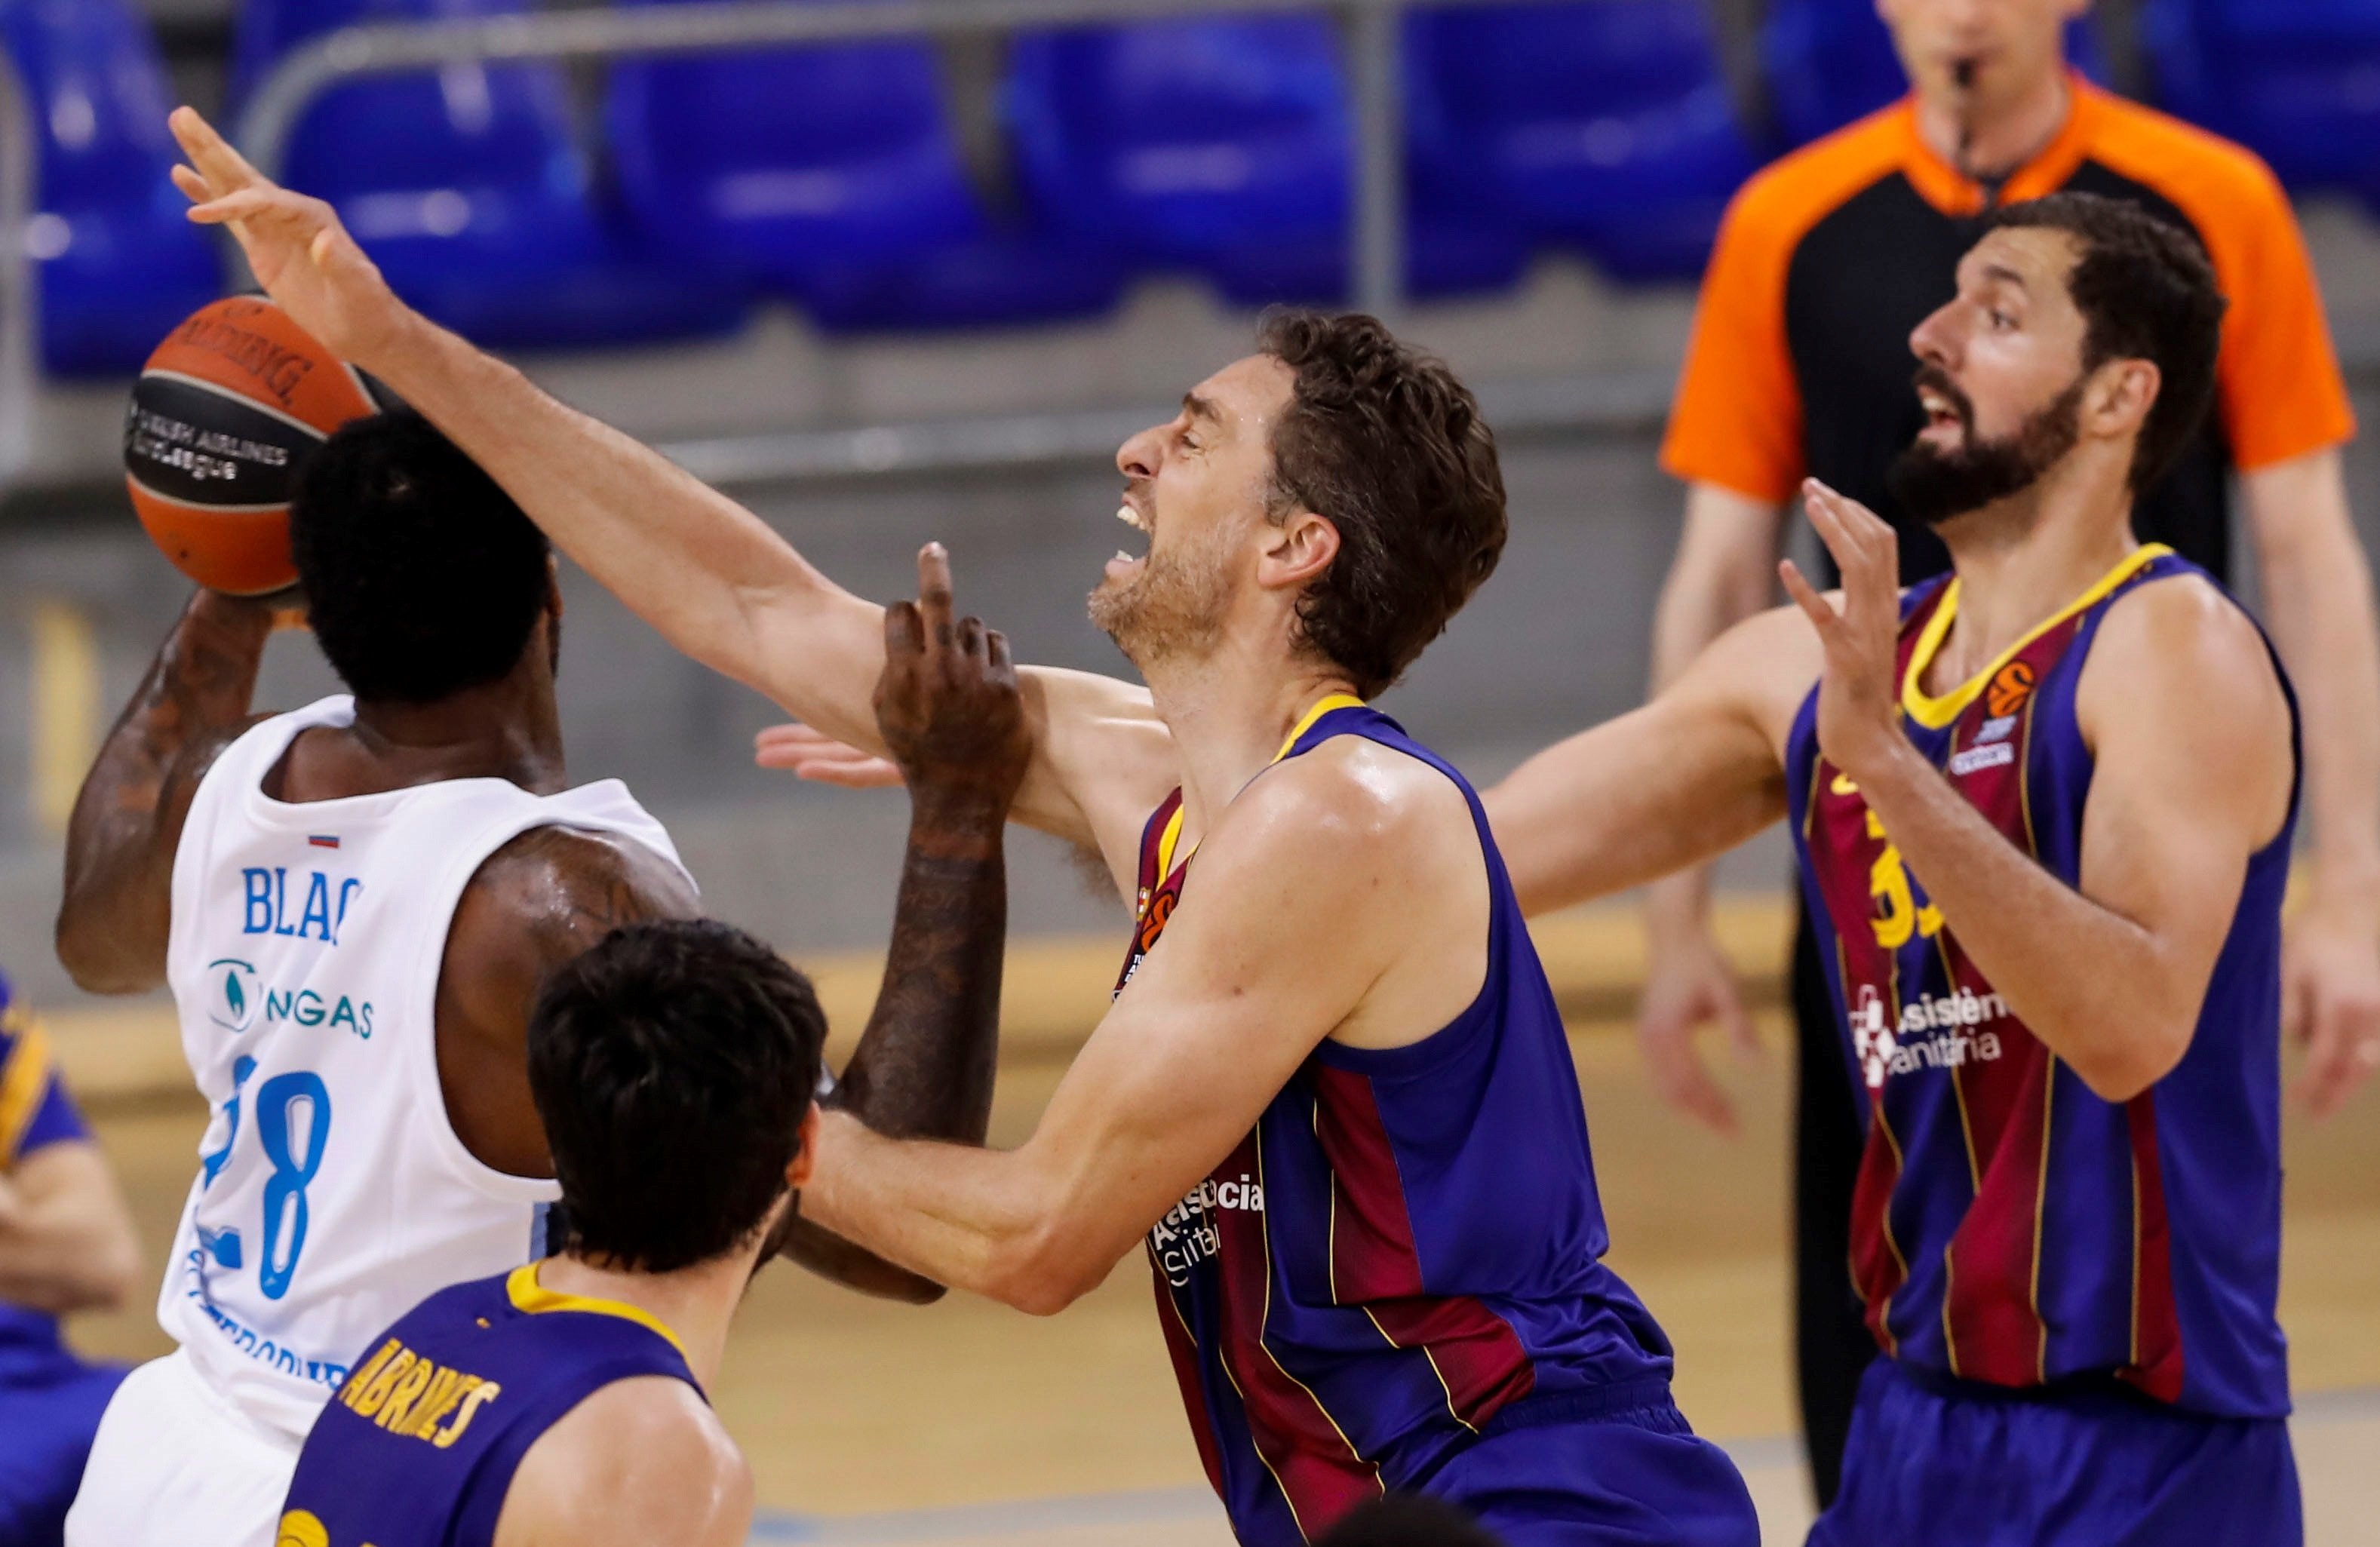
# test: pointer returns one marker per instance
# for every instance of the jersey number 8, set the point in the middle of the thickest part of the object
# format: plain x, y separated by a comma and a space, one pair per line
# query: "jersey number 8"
294, 1165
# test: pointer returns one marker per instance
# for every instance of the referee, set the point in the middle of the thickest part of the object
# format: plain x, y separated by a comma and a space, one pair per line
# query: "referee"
1800, 366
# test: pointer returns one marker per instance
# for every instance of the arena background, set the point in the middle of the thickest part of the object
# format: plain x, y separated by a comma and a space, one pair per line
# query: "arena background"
966, 1423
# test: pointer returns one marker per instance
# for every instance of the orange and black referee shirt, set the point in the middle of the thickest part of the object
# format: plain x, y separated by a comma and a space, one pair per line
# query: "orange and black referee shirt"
1827, 260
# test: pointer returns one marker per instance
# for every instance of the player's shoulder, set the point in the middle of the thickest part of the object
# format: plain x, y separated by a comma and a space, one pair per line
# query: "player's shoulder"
576, 883
1782, 202
642, 1459
1345, 809
2182, 637
2211, 180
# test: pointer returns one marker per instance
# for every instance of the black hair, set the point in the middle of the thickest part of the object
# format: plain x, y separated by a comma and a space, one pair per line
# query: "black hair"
422, 577
1408, 1520
673, 1065
1387, 444
2146, 292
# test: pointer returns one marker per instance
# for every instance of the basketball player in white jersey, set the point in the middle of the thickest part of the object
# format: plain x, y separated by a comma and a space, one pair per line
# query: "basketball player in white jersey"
353, 905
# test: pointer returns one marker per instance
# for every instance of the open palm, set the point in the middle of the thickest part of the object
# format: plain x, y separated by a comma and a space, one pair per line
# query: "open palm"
296, 247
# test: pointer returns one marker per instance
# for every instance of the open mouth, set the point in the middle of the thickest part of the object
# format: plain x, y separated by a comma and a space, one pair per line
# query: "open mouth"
1126, 561
1945, 414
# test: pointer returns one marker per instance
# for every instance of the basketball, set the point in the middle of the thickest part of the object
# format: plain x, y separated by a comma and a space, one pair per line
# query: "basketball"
223, 414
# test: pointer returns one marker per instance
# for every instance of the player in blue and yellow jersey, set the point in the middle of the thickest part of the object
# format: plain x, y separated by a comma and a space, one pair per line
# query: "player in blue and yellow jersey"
674, 1066
66, 1245
2044, 810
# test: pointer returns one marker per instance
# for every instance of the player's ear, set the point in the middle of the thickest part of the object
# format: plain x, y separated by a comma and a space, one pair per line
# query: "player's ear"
2120, 399
553, 585
797, 1174
1298, 549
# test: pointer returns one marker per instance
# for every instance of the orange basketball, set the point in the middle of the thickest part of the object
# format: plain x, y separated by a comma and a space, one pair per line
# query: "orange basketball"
223, 414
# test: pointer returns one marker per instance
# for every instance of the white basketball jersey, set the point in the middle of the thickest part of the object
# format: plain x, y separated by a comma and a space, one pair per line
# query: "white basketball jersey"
332, 1194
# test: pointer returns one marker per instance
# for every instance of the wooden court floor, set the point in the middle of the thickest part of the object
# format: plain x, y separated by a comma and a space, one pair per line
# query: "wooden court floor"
969, 1423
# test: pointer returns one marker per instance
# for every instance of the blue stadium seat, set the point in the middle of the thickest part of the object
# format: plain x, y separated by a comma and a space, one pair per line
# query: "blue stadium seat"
469, 190
2297, 82
1224, 147
1605, 123
1829, 62
119, 263
834, 174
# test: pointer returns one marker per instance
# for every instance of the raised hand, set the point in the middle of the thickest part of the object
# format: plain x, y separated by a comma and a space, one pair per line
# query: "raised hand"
1859, 696
948, 703
810, 753
296, 247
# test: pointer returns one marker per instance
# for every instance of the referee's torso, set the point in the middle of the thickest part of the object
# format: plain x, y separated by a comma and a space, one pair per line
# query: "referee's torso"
1801, 364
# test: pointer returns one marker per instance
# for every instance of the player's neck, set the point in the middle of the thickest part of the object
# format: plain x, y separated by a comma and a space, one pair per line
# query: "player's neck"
1992, 138
507, 729
2025, 561
696, 1303
1229, 715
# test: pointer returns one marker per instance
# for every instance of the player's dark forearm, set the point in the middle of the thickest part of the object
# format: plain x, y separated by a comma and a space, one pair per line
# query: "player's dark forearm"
925, 1065
112, 926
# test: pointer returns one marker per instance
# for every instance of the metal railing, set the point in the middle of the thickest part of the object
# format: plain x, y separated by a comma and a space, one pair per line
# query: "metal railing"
1617, 403
20, 300
1375, 57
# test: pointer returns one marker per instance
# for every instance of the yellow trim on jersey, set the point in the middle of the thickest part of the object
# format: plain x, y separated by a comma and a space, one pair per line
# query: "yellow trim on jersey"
24, 1080
1172, 836
1166, 842
1936, 713
528, 1295
1305, 722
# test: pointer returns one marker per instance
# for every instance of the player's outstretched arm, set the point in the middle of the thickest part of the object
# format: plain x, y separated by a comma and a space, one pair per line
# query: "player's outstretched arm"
2193, 775
1682, 779
951, 714
193, 702
641, 1461
1305, 898
709, 575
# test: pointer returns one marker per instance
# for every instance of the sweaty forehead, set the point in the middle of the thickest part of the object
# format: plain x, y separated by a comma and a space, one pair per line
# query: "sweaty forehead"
1253, 391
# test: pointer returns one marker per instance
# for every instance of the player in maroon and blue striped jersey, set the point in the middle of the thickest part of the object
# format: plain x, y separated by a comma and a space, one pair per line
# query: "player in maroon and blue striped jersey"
2044, 810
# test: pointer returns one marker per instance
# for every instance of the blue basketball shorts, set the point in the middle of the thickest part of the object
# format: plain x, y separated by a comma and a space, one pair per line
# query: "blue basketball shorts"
1954, 1465
1636, 1478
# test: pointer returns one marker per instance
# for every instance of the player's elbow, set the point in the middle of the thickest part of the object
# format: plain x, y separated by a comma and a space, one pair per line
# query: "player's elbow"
112, 1276
2130, 1064
1044, 1272
95, 956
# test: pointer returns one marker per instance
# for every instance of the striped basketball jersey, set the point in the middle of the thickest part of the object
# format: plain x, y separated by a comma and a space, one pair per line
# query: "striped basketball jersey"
420, 1447
1407, 1248
2008, 1226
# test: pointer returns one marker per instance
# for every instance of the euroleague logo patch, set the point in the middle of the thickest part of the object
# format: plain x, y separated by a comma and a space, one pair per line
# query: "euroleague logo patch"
2010, 688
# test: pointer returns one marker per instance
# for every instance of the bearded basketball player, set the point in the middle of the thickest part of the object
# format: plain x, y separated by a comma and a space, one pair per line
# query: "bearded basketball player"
353, 905
1333, 1097
2042, 809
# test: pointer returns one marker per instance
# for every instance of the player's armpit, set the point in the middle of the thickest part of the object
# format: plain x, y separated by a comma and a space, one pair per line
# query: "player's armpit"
1687, 778
641, 1461
539, 900
1103, 762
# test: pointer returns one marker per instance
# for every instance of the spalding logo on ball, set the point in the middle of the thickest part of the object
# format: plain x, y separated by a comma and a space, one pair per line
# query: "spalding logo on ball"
224, 413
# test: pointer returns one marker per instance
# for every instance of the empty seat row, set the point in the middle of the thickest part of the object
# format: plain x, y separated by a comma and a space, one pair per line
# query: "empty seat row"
1223, 148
